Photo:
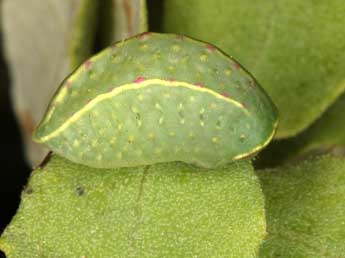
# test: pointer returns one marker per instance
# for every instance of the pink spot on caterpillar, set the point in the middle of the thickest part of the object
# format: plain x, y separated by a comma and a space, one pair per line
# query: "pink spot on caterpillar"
88, 101
140, 79
199, 84
144, 35
225, 94
210, 47
236, 66
68, 85
87, 64
180, 36
171, 80
110, 89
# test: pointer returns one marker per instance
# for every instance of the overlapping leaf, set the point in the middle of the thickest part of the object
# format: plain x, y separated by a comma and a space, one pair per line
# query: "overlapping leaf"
294, 48
327, 134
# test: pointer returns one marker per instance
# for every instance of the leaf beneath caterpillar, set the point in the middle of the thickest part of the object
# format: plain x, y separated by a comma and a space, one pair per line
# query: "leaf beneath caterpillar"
305, 209
166, 210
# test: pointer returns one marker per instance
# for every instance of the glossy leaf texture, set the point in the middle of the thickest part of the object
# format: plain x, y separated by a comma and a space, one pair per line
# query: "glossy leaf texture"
158, 98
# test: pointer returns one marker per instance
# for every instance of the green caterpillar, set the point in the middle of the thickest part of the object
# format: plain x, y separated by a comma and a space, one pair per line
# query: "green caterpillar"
158, 98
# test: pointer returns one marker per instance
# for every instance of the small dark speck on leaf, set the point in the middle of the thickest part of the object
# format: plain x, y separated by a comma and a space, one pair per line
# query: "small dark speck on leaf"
80, 191
28, 190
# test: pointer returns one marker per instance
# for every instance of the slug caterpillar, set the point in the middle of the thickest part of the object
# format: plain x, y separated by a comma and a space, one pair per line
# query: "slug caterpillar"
158, 98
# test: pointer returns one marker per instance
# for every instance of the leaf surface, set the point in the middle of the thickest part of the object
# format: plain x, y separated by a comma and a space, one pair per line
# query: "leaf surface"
165, 210
305, 209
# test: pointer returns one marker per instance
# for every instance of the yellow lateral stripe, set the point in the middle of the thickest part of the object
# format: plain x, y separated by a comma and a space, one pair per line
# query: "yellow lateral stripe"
133, 86
259, 147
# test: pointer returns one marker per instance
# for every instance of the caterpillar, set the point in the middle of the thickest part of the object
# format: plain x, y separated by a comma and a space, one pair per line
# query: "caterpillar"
158, 98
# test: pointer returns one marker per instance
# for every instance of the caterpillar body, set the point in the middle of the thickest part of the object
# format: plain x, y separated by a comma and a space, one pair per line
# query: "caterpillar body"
158, 98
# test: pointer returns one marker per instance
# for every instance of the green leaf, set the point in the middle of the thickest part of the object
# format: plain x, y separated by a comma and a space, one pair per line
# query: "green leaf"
121, 19
305, 209
325, 135
294, 48
83, 32
164, 210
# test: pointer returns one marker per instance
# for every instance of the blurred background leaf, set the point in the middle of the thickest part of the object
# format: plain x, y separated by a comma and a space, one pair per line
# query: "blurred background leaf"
325, 135
164, 210
14, 171
46, 40
83, 31
37, 40
121, 19
305, 209
294, 48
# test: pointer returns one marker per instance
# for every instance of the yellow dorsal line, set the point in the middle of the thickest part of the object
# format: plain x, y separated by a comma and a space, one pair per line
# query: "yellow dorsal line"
133, 86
